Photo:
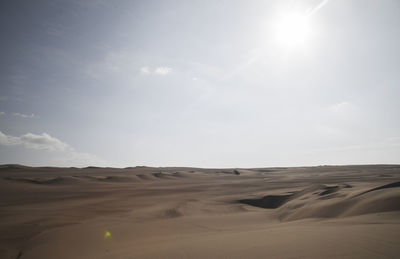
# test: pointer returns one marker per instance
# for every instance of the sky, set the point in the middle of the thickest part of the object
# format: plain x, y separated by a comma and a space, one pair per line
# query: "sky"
199, 83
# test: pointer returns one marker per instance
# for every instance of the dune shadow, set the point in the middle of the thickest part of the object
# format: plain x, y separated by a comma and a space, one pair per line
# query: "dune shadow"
329, 190
386, 186
268, 202
42, 181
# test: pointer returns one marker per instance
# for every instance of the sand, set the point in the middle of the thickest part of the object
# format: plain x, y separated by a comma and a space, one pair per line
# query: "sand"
144, 212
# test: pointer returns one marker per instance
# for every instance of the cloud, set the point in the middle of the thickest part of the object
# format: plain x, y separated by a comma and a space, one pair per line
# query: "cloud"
34, 141
44, 141
121, 68
8, 140
341, 107
23, 115
2, 113
145, 70
65, 154
162, 71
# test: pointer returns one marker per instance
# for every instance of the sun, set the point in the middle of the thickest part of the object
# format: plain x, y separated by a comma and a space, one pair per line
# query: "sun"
292, 29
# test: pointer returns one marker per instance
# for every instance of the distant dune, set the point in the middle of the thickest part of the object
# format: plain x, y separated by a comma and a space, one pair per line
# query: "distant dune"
146, 212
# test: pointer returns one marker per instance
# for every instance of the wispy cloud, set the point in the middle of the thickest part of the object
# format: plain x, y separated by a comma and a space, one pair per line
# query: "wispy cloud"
343, 108
145, 70
339, 107
161, 71
2, 113
25, 116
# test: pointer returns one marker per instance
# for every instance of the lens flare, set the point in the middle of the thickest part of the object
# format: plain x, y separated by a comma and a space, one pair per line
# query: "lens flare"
107, 234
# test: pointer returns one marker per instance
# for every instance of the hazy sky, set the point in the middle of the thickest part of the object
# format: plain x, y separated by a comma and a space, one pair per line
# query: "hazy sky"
199, 83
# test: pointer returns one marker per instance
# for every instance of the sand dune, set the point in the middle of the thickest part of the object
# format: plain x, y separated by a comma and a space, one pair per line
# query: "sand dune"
305, 212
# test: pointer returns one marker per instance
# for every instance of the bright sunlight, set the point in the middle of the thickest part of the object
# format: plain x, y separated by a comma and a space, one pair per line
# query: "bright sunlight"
292, 29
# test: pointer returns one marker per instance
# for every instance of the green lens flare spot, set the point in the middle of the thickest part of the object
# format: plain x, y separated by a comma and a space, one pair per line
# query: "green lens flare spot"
107, 234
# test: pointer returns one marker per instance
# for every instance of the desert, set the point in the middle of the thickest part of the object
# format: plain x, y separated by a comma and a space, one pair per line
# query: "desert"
149, 212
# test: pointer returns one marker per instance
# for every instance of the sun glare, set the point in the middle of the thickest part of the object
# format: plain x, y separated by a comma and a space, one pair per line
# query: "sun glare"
292, 29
